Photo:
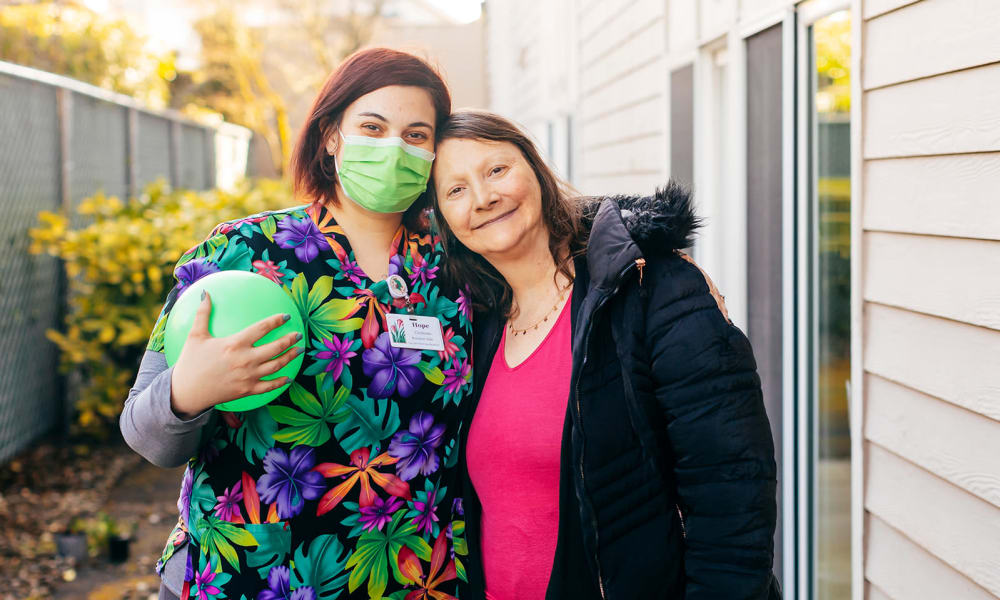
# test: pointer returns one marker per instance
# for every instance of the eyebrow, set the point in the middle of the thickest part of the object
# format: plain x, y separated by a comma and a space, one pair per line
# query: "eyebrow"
384, 120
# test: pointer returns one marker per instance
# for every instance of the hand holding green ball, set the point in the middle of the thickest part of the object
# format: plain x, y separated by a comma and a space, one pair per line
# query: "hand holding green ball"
235, 340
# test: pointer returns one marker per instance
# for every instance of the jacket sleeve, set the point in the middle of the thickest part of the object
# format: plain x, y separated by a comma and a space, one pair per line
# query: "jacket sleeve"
723, 455
149, 424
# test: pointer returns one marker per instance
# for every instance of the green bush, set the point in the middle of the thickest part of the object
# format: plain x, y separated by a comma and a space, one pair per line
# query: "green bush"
120, 268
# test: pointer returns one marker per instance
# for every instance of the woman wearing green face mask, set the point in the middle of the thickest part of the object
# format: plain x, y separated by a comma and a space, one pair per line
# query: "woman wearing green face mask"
344, 485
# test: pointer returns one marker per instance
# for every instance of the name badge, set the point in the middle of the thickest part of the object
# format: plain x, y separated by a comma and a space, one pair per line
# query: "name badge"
415, 332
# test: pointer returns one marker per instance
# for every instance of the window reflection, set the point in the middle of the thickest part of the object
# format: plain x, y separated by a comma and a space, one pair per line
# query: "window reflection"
831, 176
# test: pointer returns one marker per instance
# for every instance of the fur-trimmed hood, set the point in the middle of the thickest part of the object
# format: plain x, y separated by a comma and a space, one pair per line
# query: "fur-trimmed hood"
624, 228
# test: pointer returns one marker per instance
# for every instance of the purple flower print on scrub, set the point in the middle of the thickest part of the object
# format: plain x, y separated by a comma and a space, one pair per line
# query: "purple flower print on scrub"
396, 266
416, 449
422, 271
301, 235
424, 511
289, 480
391, 369
456, 376
228, 508
379, 513
464, 304
303, 593
184, 500
278, 585
192, 271
339, 353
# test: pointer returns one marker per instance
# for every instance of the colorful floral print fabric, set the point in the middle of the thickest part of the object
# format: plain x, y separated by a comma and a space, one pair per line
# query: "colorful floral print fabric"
345, 485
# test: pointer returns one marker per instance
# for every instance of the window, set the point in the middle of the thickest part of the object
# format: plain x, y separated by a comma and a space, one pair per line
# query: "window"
824, 210
682, 125
765, 260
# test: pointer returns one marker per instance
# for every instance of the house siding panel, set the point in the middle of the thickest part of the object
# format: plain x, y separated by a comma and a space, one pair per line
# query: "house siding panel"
931, 328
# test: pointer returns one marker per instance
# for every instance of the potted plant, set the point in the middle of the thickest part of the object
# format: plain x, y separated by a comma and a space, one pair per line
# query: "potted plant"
120, 536
72, 542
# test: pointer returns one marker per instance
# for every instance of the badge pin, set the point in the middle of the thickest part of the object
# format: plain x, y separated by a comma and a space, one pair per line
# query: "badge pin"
397, 287
399, 290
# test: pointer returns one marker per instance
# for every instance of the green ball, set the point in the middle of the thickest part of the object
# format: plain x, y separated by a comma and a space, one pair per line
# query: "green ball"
239, 299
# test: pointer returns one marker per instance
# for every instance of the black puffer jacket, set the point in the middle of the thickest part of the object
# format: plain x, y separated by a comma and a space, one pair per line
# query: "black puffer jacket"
667, 484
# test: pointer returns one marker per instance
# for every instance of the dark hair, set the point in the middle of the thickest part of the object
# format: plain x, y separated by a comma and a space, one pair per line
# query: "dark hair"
312, 169
560, 213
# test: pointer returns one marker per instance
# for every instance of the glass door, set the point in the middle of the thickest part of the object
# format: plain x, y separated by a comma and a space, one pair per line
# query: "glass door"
824, 298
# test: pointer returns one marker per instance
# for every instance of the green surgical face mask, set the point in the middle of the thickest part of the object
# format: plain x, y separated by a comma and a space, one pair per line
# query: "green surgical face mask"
384, 175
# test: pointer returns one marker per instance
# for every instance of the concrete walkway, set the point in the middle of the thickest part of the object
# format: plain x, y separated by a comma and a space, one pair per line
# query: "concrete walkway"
147, 495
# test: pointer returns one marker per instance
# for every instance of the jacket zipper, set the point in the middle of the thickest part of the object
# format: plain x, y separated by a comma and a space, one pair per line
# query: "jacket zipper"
639, 263
680, 515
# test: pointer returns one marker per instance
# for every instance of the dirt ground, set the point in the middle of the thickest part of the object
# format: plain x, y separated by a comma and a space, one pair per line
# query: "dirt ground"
55, 484
147, 494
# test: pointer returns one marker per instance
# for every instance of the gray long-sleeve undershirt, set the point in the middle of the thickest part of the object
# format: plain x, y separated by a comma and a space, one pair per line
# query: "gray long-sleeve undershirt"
151, 428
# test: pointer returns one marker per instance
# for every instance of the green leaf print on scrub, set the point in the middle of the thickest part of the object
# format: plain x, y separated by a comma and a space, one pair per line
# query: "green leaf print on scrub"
256, 434
435, 304
324, 319
377, 550
215, 537
311, 427
274, 543
371, 421
268, 227
202, 499
323, 568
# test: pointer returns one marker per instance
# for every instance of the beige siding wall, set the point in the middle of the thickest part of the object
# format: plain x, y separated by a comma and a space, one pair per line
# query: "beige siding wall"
458, 51
622, 112
531, 63
931, 290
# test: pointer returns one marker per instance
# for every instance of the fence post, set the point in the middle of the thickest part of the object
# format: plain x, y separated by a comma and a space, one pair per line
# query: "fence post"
132, 148
175, 153
208, 141
64, 104
64, 116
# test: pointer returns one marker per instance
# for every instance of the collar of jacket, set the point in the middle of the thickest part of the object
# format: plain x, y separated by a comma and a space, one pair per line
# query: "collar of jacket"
626, 227
611, 250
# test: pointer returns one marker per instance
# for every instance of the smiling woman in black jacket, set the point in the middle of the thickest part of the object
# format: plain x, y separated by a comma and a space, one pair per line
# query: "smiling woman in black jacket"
619, 447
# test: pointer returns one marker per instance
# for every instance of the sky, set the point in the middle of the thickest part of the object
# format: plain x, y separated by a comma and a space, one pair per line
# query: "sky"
463, 11
167, 24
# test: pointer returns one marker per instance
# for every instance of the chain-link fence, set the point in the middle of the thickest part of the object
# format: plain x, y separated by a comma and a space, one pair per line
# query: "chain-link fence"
60, 142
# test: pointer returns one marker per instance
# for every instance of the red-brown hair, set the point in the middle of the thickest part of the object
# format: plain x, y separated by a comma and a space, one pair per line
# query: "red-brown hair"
312, 169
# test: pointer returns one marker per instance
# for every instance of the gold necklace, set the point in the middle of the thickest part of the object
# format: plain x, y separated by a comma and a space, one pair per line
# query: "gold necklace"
517, 332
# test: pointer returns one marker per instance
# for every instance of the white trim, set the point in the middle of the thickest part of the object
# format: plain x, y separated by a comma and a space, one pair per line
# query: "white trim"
667, 100
856, 399
680, 60
708, 167
808, 295
734, 205
788, 370
700, 145
814, 10
802, 337
752, 28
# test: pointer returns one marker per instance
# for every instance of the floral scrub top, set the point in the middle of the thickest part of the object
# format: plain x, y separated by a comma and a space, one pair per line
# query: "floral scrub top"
344, 486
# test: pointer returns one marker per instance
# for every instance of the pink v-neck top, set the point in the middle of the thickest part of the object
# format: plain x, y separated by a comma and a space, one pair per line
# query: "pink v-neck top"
513, 456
